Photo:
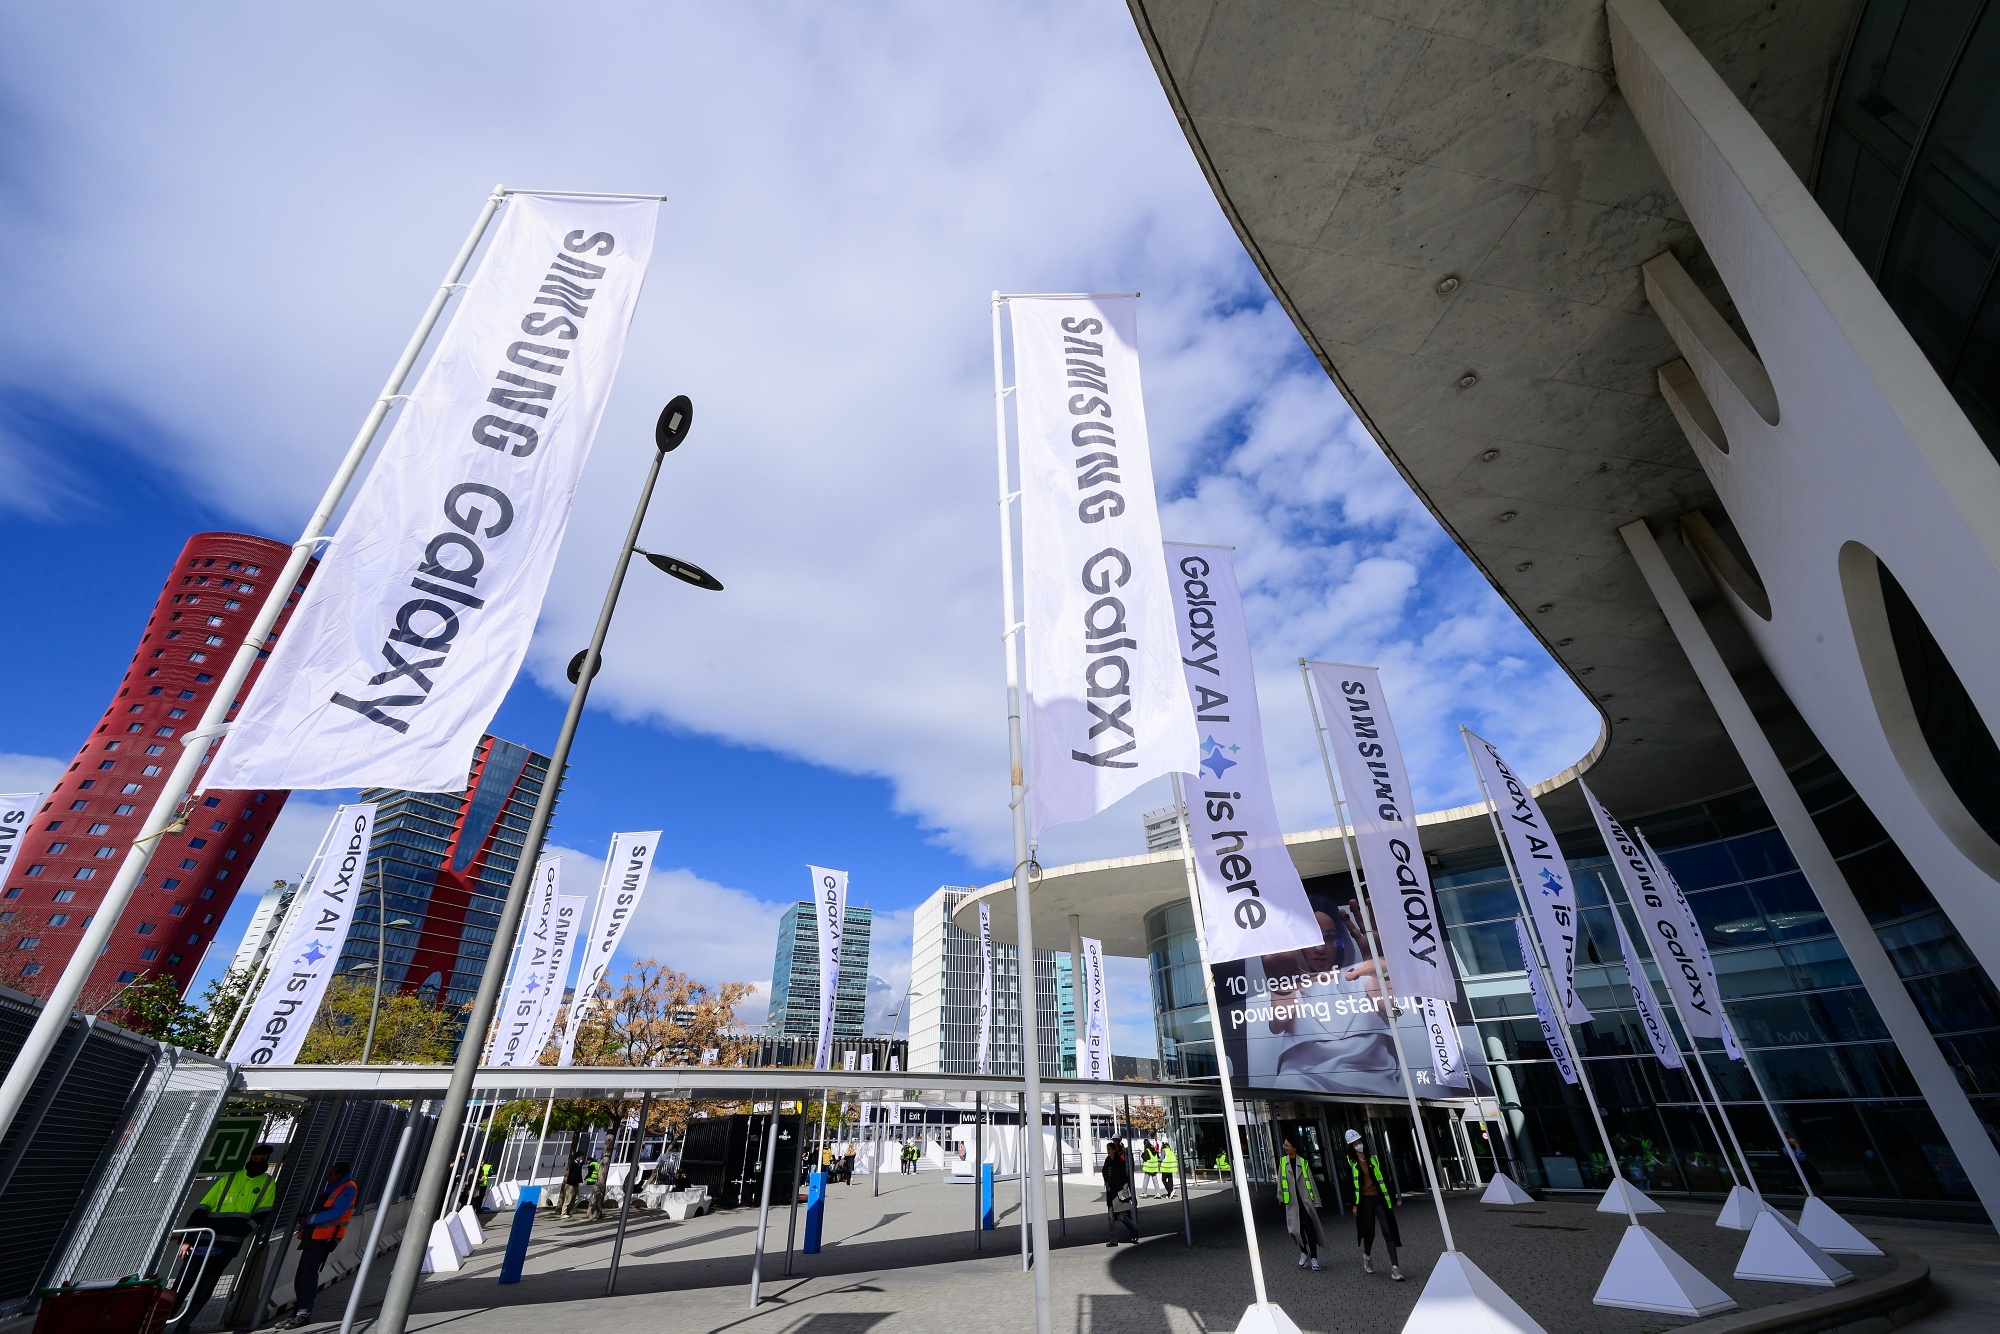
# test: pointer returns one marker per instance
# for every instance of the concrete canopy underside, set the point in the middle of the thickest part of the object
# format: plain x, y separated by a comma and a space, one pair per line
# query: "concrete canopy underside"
1366, 152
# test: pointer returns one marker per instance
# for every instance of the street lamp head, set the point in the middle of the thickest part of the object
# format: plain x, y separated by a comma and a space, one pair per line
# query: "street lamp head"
672, 428
362, 968
685, 571
402, 921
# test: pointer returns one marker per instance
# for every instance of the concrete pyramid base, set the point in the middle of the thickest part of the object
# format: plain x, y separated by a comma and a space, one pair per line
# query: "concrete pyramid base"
1269, 1318
1458, 1298
1647, 1275
441, 1255
1778, 1252
1502, 1190
1621, 1192
1831, 1233
474, 1234
1740, 1210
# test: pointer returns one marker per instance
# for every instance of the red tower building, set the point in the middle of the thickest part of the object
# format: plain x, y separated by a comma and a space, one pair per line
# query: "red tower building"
95, 811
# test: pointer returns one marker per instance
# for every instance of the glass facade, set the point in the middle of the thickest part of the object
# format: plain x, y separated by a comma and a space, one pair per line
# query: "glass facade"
795, 976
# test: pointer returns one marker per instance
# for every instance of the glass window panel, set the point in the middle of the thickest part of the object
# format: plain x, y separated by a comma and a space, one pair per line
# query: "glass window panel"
1729, 917
1480, 903
1918, 1156
1700, 868
1821, 963
1762, 854
1790, 908
1800, 1072
1885, 884
1955, 1002
1591, 877
1752, 973
1927, 944
1841, 1159
1732, 1081
1775, 1021
1975, 1059
1849, 1015
1877, 1070
1488, 948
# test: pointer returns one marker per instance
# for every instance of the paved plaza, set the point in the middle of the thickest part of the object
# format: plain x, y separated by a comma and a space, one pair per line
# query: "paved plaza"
904, 1262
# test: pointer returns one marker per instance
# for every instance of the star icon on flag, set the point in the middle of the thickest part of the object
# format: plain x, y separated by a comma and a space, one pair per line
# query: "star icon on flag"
1212, 758
534, 983
313, 953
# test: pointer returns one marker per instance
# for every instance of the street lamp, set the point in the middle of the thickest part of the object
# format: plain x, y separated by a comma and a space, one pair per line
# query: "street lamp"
668, 433
379, 967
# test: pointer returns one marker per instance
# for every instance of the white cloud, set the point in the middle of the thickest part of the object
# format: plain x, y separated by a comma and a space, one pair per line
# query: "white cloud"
28, 773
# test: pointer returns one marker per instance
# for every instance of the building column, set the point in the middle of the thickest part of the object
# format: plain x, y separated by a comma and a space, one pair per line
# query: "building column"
1933, 1073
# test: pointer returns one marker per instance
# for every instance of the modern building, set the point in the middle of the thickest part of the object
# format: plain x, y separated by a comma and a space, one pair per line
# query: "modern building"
798, 1052
1679, 318
944, 997
1163, 829
795, 976
443, 861
265, 923
96, 809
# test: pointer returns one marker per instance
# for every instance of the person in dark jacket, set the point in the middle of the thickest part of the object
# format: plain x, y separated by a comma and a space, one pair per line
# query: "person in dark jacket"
1120, 1204
319, 1234
572, 1185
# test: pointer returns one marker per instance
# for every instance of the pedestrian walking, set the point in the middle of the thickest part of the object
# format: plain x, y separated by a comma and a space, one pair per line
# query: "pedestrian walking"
1170, 1163
319, 1233
593, 1190
234, 1208
1149, 1170
572, 1185
1372, 1205
1299, 1193
1120, 1206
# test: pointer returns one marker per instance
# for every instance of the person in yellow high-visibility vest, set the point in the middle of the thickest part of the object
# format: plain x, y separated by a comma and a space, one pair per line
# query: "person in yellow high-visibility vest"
1222, 1162
1170, 1163
1299, 1193
236, 1206
1373, 1203
1149, 1169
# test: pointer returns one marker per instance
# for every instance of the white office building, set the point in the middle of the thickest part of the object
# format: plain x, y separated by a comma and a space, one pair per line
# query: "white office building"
944, 997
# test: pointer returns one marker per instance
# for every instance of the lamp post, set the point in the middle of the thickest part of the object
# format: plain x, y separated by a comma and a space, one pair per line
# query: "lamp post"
895, 1022
380, 966
668, 433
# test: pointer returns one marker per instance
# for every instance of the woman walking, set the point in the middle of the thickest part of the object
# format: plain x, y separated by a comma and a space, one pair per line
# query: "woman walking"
1300, 1195
1372, 1204
1119, 1204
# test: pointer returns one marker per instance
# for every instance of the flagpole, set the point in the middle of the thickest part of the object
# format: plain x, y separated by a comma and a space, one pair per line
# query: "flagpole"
1238, 1162
1031, 1063
1381, 964
279, 931
1541, 961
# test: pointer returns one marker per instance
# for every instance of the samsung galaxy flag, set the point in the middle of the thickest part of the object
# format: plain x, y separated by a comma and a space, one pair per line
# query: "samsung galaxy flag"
563, 934
413, 628
1703, 965
1441, 1037
1551, 1031
303, 964
985, 1049
1665, 924
1544, 874
1650, 1018
1096, 1056
1252, 901
1106, 707
1383, 814
521, 1006
626, 868
17, 810
830, 910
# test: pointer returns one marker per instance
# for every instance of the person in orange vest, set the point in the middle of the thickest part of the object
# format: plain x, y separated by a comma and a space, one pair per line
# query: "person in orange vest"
319, 1232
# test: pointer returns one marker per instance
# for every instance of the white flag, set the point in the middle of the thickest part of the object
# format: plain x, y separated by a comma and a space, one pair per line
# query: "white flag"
985, 992
1704, 966
416, 622
17, 811
562, 948
830, 910
1096, 1054
1650, 1018
1551, 1030
1441, 1037
850, 1059
1252, 900
300, 969
867, 1060
1106, 707
626, 868
1663, 919
1545, 880
521, 1006
1383, 814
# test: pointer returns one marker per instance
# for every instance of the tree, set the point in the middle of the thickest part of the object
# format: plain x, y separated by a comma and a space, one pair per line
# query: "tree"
408, 1029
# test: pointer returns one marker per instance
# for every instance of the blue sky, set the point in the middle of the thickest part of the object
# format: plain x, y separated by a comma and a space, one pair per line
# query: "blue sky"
223, 221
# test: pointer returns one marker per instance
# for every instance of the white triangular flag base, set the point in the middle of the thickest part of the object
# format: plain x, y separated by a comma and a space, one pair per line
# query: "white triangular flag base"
1622, 1193
1459, 1299
1266, 1318
474, 1234
441, 1255
1646, 1275
1831, 1233
1778, 1252
1740, 1210
1502, 1190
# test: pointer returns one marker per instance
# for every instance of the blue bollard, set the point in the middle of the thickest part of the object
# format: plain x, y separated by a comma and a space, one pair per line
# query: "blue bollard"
986, 1197
517, 1238
815, 1210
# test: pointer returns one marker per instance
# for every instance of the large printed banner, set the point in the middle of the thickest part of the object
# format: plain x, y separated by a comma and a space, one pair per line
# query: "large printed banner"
1663, 918
521, 1006
562, 948
1106, 709
983, 1057
626, 868
1251, 899
830, 909
1094, 1058
1704, 966
411, 632
1664, 1046
17, 811
1383, 814
1551, 1031
1544, 874
301, 967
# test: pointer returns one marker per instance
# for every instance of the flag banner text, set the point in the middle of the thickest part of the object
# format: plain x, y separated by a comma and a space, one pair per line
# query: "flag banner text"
415, 623
830, 911
1441, 1037
627, 867
1251, 899
1545, 878
301, 967
521, 1007
17, 812
1663, 918
1650, 1018
1106, 709
1094, 1060
562, 949
1704, 966
1551, 1030
1383, 815
985, 1050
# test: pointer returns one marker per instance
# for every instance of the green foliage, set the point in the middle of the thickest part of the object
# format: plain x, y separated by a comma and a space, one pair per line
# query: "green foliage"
408, 1029
153, 1006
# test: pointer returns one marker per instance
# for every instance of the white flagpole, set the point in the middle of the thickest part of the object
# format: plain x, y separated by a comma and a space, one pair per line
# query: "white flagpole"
1381, 963
1541, 961
166, 816
1237, 1161
1031, 1058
